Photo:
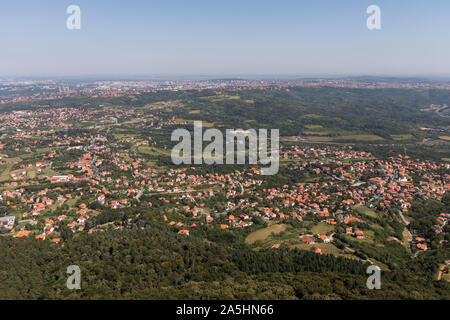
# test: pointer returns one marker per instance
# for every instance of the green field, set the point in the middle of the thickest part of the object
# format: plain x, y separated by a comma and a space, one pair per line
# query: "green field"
5, 170
354, 137
360, 137
71, 202
365, 211
223, 97
322, 228
400, 137
263, 234
311, 116
205, 124
313, 126
446, 277
153, 151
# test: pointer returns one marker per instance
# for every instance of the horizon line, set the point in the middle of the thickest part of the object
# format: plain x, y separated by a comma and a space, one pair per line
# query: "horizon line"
212, 76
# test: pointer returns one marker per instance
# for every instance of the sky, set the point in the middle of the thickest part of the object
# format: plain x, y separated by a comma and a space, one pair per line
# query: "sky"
231, 38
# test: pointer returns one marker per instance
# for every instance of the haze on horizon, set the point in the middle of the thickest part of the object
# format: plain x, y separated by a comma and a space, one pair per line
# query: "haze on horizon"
224, 38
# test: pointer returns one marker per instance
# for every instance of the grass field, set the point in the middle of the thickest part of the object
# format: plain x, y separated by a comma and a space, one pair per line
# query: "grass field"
5, 170
222, 97
446, 277
313, 126
322, 228
365, 211
400, 137
153, 151
353, 137
204, 123
360, 137
263, 234
71, 202
311, 116
31, 172
319, 130
321, 133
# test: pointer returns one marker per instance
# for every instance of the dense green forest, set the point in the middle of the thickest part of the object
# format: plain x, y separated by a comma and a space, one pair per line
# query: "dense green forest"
156, 263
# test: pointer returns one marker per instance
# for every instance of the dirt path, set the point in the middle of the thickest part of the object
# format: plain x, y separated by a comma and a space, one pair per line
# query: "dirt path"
440, 273
441, 270
407, 236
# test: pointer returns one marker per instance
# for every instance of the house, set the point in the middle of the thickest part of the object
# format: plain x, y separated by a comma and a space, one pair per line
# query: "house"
323, 238
41, 236
101, 198
307, 240
421, 246
114, 204
359, 234
23, 233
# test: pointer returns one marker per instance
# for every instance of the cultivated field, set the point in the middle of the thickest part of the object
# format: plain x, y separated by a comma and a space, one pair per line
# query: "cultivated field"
263, 234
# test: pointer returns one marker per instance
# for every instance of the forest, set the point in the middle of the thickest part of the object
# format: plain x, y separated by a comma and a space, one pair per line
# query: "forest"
156, 263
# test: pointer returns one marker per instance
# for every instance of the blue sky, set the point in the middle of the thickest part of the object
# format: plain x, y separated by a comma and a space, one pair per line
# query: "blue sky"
303, 37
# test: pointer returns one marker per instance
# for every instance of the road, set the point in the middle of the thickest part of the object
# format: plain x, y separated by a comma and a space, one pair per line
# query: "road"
395, 176
139, 195
441, 271
238, 205
403, 218
438, 111
409, 236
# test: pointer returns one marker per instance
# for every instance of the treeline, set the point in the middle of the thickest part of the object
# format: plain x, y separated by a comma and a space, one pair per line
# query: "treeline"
294, 261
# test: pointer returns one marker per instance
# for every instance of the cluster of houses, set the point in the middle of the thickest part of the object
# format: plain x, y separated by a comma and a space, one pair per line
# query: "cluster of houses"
101, 171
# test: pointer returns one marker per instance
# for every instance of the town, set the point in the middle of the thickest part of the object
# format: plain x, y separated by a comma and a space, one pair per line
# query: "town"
67, 171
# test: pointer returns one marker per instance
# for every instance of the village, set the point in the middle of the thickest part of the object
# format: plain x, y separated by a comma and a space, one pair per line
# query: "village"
62, 168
